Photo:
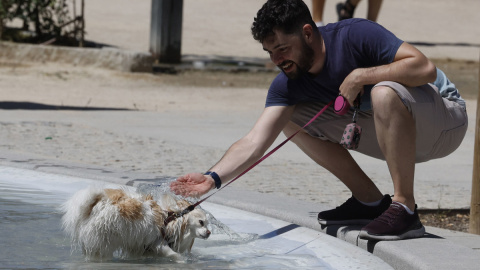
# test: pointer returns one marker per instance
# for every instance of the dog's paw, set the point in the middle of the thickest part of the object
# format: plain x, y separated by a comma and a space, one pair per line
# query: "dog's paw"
163, 250
178, 258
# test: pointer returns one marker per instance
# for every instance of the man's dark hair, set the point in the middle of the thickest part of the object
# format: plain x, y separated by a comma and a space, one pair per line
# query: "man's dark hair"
288, 16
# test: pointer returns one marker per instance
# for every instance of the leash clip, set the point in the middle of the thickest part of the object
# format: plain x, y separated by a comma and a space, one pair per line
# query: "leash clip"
186, 211
173, 216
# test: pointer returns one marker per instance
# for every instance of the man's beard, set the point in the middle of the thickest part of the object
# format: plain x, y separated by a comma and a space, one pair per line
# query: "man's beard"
304, 63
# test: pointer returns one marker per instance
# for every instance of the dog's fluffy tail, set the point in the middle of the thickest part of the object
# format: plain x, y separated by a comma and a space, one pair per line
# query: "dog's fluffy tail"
78, 208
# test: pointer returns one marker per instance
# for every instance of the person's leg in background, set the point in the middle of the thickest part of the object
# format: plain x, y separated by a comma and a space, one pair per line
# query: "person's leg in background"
347, 10
317, 11
373, 9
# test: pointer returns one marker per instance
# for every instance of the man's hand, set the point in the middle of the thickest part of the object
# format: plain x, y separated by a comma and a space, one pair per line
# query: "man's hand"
192, 185
352, 86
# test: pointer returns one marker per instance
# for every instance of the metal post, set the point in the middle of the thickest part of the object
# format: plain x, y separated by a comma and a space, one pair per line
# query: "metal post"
82, 28
474, 226
166, 30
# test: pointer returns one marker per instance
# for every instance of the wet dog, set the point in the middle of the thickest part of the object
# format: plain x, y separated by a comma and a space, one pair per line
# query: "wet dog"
104, 221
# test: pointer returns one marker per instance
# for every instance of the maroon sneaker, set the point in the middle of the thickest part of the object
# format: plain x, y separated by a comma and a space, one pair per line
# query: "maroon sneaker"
353, 212
394, 224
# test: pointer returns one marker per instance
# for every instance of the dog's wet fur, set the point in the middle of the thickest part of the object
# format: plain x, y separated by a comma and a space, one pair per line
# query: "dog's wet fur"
107, 221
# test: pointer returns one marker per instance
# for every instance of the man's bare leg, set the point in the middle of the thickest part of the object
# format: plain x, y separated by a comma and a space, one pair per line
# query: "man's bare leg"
373, 9
338, 161
317, 10
396, 133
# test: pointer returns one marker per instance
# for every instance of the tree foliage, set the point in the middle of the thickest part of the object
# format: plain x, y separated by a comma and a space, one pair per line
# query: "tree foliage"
45, 18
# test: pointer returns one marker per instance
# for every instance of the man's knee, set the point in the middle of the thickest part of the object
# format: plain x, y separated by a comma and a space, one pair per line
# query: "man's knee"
382, 96
385, 100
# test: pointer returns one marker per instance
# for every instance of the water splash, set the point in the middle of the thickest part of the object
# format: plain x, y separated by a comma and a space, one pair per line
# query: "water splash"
160, 191
160, 188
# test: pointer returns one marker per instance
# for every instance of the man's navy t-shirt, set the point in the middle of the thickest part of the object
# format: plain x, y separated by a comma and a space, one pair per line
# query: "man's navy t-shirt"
349, 44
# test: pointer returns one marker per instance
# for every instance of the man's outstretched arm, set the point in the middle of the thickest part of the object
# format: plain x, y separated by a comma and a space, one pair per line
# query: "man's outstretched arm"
240, 155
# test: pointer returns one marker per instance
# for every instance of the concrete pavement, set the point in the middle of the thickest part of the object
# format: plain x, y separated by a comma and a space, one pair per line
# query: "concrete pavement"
447, 29
439, 249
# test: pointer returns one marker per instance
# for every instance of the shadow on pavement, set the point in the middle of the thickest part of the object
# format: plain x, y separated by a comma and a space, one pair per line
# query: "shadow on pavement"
12, 105
431, 44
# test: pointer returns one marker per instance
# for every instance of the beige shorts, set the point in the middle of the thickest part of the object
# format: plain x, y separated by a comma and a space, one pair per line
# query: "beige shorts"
441, 124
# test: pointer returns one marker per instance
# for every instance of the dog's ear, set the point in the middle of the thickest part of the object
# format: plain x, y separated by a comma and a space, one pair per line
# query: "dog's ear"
184, 226
158, 214
183, 204
148, 197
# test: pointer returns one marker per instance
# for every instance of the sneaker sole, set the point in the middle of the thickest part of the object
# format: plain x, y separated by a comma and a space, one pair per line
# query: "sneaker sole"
344, 222
407, 235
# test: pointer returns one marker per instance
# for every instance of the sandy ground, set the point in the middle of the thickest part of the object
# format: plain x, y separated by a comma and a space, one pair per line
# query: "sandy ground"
172, 127
219, 27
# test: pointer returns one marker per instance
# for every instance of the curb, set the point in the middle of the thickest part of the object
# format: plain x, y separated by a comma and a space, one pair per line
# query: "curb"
106, 57
439, 249
124, 60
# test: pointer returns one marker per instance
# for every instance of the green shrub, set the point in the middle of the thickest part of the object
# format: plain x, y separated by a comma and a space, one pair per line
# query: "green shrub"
45, 19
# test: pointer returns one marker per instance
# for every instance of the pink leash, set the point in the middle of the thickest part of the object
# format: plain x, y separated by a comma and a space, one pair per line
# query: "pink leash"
264, 157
